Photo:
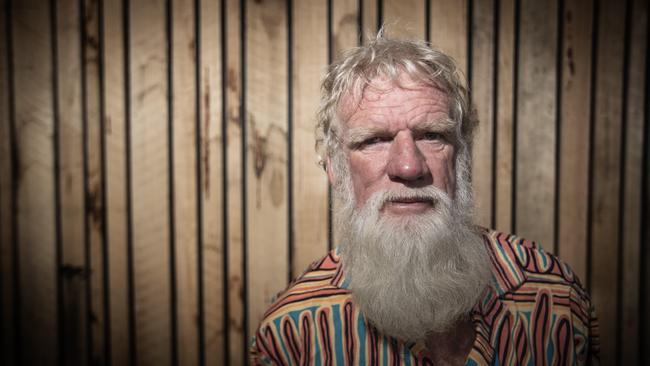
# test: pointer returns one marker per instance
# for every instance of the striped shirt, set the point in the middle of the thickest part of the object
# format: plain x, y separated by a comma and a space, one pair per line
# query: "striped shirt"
535, 312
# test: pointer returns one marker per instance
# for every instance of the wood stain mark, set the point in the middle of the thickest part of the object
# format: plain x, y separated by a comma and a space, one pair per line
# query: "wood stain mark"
262, 156
94, 204
271, 23
572, 65
206, 133
232, 80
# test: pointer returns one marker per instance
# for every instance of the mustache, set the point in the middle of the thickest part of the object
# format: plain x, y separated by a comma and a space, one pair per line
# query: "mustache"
405, 194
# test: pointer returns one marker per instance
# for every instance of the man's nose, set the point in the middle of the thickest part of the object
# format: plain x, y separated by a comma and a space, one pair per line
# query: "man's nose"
406, 161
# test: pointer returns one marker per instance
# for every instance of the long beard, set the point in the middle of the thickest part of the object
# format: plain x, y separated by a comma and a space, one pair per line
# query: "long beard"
416, 275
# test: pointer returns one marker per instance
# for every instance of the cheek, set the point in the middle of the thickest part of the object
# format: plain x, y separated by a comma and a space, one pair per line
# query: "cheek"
364, 171
444, 171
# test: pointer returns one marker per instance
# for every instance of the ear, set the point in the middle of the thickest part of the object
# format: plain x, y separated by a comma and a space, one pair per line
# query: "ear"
330, 172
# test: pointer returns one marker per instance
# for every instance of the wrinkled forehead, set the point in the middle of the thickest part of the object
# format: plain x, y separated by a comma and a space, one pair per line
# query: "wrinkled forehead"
364, 92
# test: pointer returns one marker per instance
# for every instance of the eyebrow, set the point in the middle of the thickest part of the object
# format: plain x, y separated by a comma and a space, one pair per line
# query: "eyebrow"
359, 134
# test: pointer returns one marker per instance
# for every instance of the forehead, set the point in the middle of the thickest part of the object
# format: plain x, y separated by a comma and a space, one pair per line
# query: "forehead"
386, 101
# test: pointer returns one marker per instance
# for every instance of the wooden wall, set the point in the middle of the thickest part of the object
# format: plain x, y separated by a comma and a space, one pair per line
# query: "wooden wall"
158, 182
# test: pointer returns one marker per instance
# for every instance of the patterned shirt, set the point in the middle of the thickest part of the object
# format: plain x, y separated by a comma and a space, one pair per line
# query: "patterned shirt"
535, 312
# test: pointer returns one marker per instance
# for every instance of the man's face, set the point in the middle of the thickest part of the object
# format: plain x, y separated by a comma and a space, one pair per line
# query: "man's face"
398, 138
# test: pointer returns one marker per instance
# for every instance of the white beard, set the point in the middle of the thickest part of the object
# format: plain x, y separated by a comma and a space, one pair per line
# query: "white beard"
416, 275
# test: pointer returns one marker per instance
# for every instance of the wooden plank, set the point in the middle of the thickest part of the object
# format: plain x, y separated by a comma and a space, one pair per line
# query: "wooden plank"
345, 27
368, 19
405, 18
344, 36
309, 180
448, 29
505, 116
535, 192
116, 188
632, 201
266, 154
94, 193
213, 180
185, 179
482, 99
7, 341
71, 183
150, 181
605, 174
235, 241
574, 132
35, 179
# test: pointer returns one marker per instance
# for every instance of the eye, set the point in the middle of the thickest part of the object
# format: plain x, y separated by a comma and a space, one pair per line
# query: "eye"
432, 136
373, 140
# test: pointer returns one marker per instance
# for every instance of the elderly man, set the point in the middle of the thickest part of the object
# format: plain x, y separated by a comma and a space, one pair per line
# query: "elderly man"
414, 281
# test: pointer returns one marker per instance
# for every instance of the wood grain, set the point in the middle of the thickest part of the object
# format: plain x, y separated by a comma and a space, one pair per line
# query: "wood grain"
505, 117
185, 178
117, 215
632, 200
211, 162
7, 342
35, 180
605, 175
482, 99
405, 18
94, 199
535, 188
309, 180
235, 194
574, 135
149, 166
71, 183
266, 155
448, 29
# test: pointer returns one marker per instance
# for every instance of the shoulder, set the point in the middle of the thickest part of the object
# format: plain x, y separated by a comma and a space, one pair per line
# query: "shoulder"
533, 281
517, 259
293, 313
317, 286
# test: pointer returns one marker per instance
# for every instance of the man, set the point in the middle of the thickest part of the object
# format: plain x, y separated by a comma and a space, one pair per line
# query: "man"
413, 280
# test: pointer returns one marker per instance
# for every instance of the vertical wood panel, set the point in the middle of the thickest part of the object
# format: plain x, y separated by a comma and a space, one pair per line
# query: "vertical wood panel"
448, 29
504, 116
632, 200
310, 182
211, 164
94, 220
266, 154
482, 98
368, 19
345, 36
35, 180
185, 178
116, 184
345, 30
535, 194
71, 176
150, 181
605, 175
7, 343
574, 135
405, 18
234, 173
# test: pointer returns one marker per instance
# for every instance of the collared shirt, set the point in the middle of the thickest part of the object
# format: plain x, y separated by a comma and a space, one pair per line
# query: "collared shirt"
535, 312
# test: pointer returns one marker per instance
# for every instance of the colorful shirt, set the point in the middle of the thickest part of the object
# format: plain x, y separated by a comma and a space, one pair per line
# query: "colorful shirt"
535, 312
